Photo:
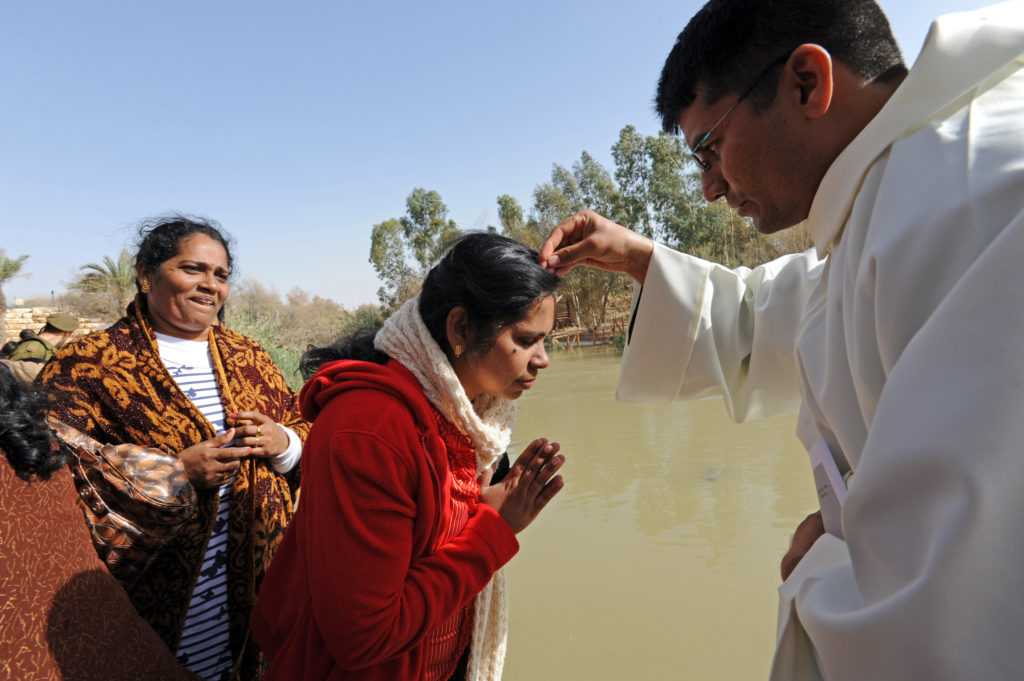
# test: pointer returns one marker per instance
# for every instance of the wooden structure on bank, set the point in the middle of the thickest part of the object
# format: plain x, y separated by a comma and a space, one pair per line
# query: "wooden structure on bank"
573, 339
564, 314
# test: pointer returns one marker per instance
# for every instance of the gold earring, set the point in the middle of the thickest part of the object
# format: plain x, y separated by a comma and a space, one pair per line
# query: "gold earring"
144, 286
458, 351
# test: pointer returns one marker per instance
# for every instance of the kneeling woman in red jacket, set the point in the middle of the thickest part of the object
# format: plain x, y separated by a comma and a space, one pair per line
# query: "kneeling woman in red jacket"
391, 568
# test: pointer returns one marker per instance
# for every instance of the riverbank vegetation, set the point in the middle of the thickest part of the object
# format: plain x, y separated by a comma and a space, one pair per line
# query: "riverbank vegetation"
286, 328
653, 188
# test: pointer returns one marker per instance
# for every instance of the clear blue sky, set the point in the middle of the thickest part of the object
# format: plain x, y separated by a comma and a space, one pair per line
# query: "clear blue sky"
299, 126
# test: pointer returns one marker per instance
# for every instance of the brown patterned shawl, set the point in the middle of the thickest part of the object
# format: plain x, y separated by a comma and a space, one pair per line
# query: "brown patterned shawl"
62, 615
113, 386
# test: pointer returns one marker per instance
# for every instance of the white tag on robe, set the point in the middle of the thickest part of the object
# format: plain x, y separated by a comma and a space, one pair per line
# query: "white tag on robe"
831, 488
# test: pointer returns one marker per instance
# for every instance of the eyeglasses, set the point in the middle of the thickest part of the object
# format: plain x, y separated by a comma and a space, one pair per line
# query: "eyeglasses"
699, 147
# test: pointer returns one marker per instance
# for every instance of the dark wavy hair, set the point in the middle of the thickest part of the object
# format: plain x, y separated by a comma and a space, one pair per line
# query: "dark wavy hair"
160, 239
494, 278
24, 435
729, 42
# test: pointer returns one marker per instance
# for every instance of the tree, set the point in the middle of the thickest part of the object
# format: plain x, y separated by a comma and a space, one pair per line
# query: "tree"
387, 253
633, 173
403, 249
9, 268
597, 189
510, 215
427, 228
111, 284
658, 187
588, 185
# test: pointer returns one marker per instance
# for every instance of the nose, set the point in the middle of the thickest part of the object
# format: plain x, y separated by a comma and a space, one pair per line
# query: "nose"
713, 185
541, 359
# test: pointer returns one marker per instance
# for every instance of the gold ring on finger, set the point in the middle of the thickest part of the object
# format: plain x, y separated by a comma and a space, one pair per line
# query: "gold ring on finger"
257, 441
259, 431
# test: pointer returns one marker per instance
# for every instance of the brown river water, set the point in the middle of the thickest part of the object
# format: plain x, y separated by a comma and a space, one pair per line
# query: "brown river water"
660, 557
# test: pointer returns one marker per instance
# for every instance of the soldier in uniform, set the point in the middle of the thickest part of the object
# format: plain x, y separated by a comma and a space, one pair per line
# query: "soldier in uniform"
31, 354
40, 347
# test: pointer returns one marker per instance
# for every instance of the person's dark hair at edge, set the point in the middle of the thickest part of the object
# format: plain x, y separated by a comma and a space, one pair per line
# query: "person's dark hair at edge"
24, 435
496, 280
728, 43
160, 239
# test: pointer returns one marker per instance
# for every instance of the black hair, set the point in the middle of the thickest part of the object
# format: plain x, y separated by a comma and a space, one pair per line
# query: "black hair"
358, 346
494, 278
160, 240
728, 43
24, 435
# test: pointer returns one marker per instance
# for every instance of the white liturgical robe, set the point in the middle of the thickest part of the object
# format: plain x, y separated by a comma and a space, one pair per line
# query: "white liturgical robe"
903, 347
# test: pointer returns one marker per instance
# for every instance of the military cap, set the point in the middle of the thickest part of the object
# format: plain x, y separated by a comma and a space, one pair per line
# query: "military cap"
62, 321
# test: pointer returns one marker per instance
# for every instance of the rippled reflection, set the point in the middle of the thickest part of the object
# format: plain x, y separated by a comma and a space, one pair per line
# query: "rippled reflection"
659, 560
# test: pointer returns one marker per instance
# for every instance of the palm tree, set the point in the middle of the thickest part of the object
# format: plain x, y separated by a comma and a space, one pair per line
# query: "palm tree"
113, 277
9, 268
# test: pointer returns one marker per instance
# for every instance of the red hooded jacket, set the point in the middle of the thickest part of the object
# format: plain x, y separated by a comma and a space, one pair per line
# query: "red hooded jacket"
356, 586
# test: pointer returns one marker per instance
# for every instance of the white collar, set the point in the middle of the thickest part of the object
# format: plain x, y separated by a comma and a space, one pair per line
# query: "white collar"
961, 51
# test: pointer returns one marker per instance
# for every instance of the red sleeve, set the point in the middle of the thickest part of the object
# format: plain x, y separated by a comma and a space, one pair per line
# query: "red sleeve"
376, 591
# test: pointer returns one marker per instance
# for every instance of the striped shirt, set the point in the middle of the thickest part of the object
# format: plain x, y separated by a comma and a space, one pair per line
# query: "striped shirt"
205, 646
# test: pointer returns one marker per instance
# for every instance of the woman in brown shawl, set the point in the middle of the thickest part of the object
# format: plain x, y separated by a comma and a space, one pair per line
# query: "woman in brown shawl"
167, 375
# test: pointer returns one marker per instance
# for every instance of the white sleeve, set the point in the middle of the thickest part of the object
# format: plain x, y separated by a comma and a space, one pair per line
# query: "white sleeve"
699, 329
286, 460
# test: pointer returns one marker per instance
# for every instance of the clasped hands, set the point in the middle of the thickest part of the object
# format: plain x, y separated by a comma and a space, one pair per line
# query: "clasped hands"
213, 462
528, 487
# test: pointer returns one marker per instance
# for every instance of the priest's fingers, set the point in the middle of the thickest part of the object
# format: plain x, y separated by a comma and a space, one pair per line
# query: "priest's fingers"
570, 242
807, 532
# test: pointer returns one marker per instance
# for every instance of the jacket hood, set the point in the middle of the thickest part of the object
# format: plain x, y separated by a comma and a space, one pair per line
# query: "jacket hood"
340, 376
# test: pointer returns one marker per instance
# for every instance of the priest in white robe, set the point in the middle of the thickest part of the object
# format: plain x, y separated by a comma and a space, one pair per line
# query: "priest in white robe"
899, 337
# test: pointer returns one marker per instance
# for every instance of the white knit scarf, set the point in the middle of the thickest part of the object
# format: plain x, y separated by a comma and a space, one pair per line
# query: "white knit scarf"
487, 421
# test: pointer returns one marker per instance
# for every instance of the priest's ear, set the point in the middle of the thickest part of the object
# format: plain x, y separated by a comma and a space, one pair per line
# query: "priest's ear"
807, 80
